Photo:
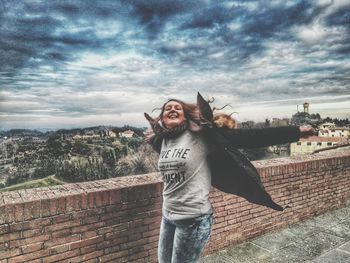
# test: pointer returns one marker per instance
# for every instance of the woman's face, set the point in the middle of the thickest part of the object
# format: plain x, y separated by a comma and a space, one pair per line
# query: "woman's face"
173, 114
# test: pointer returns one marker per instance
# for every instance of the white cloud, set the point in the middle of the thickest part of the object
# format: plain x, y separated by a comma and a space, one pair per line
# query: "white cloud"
312, 34
336, 5
234, 26
251, 6
108, 29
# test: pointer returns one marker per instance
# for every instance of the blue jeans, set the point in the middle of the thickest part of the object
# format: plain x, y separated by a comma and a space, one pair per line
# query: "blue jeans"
182, 241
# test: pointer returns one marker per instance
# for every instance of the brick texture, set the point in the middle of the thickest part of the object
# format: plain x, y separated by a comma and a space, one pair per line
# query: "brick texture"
117, 220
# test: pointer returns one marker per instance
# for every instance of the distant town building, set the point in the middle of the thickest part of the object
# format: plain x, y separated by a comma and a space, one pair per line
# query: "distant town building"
127, 134
77, 137
313, 143
276, 122
306, 107
326, 125
329, 129
111, 134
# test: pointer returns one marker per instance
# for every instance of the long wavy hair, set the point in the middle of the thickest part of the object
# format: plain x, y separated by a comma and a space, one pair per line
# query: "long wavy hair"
191, 113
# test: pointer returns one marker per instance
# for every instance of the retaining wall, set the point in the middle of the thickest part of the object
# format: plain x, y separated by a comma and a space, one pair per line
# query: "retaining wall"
117, 220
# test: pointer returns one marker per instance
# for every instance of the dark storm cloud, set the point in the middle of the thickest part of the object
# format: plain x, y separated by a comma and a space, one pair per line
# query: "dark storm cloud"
262, 22
210, 16
154, 14
38, 32
341, 17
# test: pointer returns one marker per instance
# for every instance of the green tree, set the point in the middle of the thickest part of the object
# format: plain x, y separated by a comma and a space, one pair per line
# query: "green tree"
108, 157
134, 143
54, 146
81, 148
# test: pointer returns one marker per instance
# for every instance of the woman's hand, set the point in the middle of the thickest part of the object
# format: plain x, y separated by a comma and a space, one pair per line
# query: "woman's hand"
306, 131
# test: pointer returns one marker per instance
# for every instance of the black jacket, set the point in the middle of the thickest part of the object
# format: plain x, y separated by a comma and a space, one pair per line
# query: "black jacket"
232, 172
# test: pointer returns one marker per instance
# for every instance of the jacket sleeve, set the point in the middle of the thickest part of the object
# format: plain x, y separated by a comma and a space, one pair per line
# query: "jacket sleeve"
254, 138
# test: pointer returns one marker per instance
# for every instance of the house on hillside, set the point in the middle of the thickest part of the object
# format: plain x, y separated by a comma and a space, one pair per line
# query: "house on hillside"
313, 143
77, 137
329, 129
127, 134
111, 134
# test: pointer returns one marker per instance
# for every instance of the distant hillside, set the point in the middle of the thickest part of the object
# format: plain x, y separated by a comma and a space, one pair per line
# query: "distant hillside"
20, 132
73, 131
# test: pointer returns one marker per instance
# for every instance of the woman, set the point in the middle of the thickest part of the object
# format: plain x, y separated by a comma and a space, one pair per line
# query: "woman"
195, 154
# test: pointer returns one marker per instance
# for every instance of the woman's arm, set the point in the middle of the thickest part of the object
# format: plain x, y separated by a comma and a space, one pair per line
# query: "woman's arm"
254, 138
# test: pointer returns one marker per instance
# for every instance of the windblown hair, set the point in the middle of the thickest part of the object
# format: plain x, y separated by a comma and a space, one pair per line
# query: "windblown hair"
191, 114
221, 120
193, 120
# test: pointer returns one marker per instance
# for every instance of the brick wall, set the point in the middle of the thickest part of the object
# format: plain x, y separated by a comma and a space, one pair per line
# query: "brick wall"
117, 220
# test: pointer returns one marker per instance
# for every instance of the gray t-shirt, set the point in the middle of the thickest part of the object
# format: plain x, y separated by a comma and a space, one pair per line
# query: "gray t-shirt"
186, 176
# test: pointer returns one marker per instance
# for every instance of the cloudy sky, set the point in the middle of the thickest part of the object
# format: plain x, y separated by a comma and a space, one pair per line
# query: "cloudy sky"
81, 63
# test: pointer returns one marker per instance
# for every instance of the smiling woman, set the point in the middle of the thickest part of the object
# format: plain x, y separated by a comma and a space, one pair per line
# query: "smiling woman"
173, 114
188, 215
195, 154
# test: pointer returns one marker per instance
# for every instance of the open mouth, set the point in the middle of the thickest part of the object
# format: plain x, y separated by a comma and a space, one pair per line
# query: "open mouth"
173, 115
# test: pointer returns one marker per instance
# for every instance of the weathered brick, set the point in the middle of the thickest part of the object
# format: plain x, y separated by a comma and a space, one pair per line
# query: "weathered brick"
73, 203
137, 255
114, 197
118, 257
61, 218
84, 201
63, 225
84, 257
4, 229
62, 240
9, 253
61, 233
31, 233
31, 247
61, 205
112, 242
59, 249
31, 210
89, 234
28, 225
86, 242
84, 228
10, 236
151, 233
28, 257
64, 257
31, 240
88, 249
